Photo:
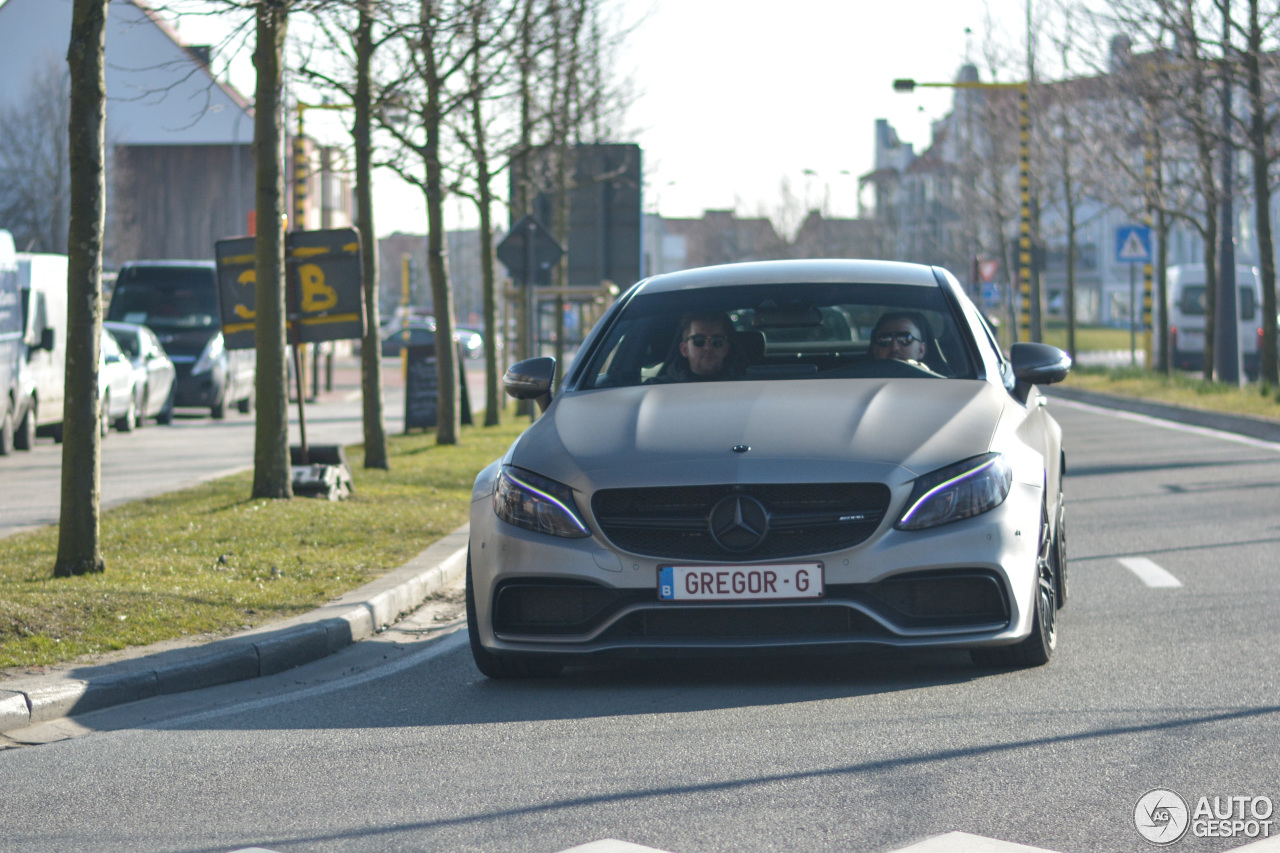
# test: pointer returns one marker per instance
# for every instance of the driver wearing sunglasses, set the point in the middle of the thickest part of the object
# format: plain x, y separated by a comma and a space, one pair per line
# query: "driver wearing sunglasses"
899, 335
704, 345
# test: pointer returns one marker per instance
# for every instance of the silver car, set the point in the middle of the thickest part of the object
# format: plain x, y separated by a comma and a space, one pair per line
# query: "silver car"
824, 492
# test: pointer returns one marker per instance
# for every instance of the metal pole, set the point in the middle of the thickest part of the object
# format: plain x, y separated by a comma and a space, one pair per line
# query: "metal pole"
532, 344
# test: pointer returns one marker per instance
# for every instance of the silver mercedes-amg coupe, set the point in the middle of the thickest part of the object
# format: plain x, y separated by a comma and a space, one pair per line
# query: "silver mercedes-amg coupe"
817, 455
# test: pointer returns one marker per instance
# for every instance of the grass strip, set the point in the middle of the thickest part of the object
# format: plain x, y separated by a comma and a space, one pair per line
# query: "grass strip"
209, 560
1257, 400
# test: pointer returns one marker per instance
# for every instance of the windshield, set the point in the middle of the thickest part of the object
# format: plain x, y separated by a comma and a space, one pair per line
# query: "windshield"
166, 298
791, 331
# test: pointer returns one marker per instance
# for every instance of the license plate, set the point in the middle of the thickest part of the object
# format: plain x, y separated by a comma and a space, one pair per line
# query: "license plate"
740, 583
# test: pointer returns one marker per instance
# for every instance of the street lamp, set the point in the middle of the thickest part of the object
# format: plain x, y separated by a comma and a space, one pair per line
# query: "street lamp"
1024, 184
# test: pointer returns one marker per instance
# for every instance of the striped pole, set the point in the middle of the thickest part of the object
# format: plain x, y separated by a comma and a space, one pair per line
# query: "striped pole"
1148, 172
1024, 223
301, 176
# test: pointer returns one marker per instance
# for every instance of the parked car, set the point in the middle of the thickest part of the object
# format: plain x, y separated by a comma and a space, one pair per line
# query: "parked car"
178, 300
814, 499
421, 333
116, 387
472, 341
153, 372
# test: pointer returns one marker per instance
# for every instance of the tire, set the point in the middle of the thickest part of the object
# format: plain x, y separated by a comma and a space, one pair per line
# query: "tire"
219, 409
143, 405
129, 419
25, 437
503, 666
1059, 553
246, 405
6, 434
1038, 647
55, 432
165, 415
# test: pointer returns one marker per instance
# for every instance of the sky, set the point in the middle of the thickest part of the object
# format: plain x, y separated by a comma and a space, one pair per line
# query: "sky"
736, 96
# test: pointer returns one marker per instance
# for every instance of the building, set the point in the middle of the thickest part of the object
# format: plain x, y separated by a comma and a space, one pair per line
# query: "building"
957, 202
180, 165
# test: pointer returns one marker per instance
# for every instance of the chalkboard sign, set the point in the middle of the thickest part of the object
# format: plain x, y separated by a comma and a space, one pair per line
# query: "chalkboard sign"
421, 390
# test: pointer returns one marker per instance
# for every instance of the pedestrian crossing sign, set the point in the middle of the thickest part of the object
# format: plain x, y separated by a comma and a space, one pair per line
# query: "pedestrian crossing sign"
1133, 244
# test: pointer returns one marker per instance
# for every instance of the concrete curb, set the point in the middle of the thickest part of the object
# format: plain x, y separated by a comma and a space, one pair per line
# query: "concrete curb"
1253, 427
176, 667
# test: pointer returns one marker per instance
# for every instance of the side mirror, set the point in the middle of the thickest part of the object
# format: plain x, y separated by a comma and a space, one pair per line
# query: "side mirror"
47, 338
531, 379
1037, 364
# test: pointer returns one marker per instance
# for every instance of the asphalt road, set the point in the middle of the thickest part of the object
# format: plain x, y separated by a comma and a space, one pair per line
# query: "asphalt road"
400, 744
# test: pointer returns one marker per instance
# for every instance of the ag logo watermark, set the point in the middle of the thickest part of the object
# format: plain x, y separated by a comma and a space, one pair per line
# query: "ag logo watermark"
1163, 817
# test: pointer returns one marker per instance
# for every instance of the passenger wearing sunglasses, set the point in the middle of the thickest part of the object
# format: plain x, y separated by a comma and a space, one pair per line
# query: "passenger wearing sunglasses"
900, 335
705, 345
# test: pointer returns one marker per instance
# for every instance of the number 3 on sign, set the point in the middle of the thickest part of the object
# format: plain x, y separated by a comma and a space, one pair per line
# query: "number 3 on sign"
244, 312
316, 295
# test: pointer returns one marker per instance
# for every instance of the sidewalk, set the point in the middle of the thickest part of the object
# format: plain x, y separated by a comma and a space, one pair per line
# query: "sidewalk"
173, 667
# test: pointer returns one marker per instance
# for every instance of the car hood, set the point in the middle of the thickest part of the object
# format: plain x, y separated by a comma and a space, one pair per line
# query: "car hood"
890, 430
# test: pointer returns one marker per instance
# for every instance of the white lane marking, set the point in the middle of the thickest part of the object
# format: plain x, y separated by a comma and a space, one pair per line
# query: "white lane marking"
612, 845
1149, 573
435, 648
964, 842
1173, 425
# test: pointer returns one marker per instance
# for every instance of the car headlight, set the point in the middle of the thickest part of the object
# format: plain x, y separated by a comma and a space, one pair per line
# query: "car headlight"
212, 354
958, 491
536, 503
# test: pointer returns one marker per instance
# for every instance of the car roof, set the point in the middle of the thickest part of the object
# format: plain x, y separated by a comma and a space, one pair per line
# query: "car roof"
796, 271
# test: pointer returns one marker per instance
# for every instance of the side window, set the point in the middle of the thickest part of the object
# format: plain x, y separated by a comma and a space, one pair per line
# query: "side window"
1248, 304
991, 352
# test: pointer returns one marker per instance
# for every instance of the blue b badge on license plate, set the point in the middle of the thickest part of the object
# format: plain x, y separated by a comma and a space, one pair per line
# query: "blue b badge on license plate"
666, 583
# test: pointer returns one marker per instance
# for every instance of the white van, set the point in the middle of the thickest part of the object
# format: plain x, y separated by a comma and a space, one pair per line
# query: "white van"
1186, 316
43, 279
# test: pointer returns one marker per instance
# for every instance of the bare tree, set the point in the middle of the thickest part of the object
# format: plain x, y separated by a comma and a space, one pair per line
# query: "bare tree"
79, 543
34, 186
272, 474
1258, 59
335, 21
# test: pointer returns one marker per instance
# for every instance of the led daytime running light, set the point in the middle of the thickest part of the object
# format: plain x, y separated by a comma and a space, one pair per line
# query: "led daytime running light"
551, 499
942, 486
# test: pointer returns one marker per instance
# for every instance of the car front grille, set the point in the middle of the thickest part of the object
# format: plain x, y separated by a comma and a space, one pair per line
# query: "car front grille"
562, 610
673, 522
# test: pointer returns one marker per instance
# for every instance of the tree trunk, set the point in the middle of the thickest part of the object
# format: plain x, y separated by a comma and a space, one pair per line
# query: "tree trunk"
375, 434
447, 422
1071, 262
272, 476
1261, 158
492, 399
79, 539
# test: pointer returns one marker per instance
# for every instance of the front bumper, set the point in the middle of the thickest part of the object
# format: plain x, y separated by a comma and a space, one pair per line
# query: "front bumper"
967, 584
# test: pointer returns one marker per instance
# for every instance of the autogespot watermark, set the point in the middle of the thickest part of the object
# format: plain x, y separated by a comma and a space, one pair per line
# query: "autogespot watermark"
1163, 817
